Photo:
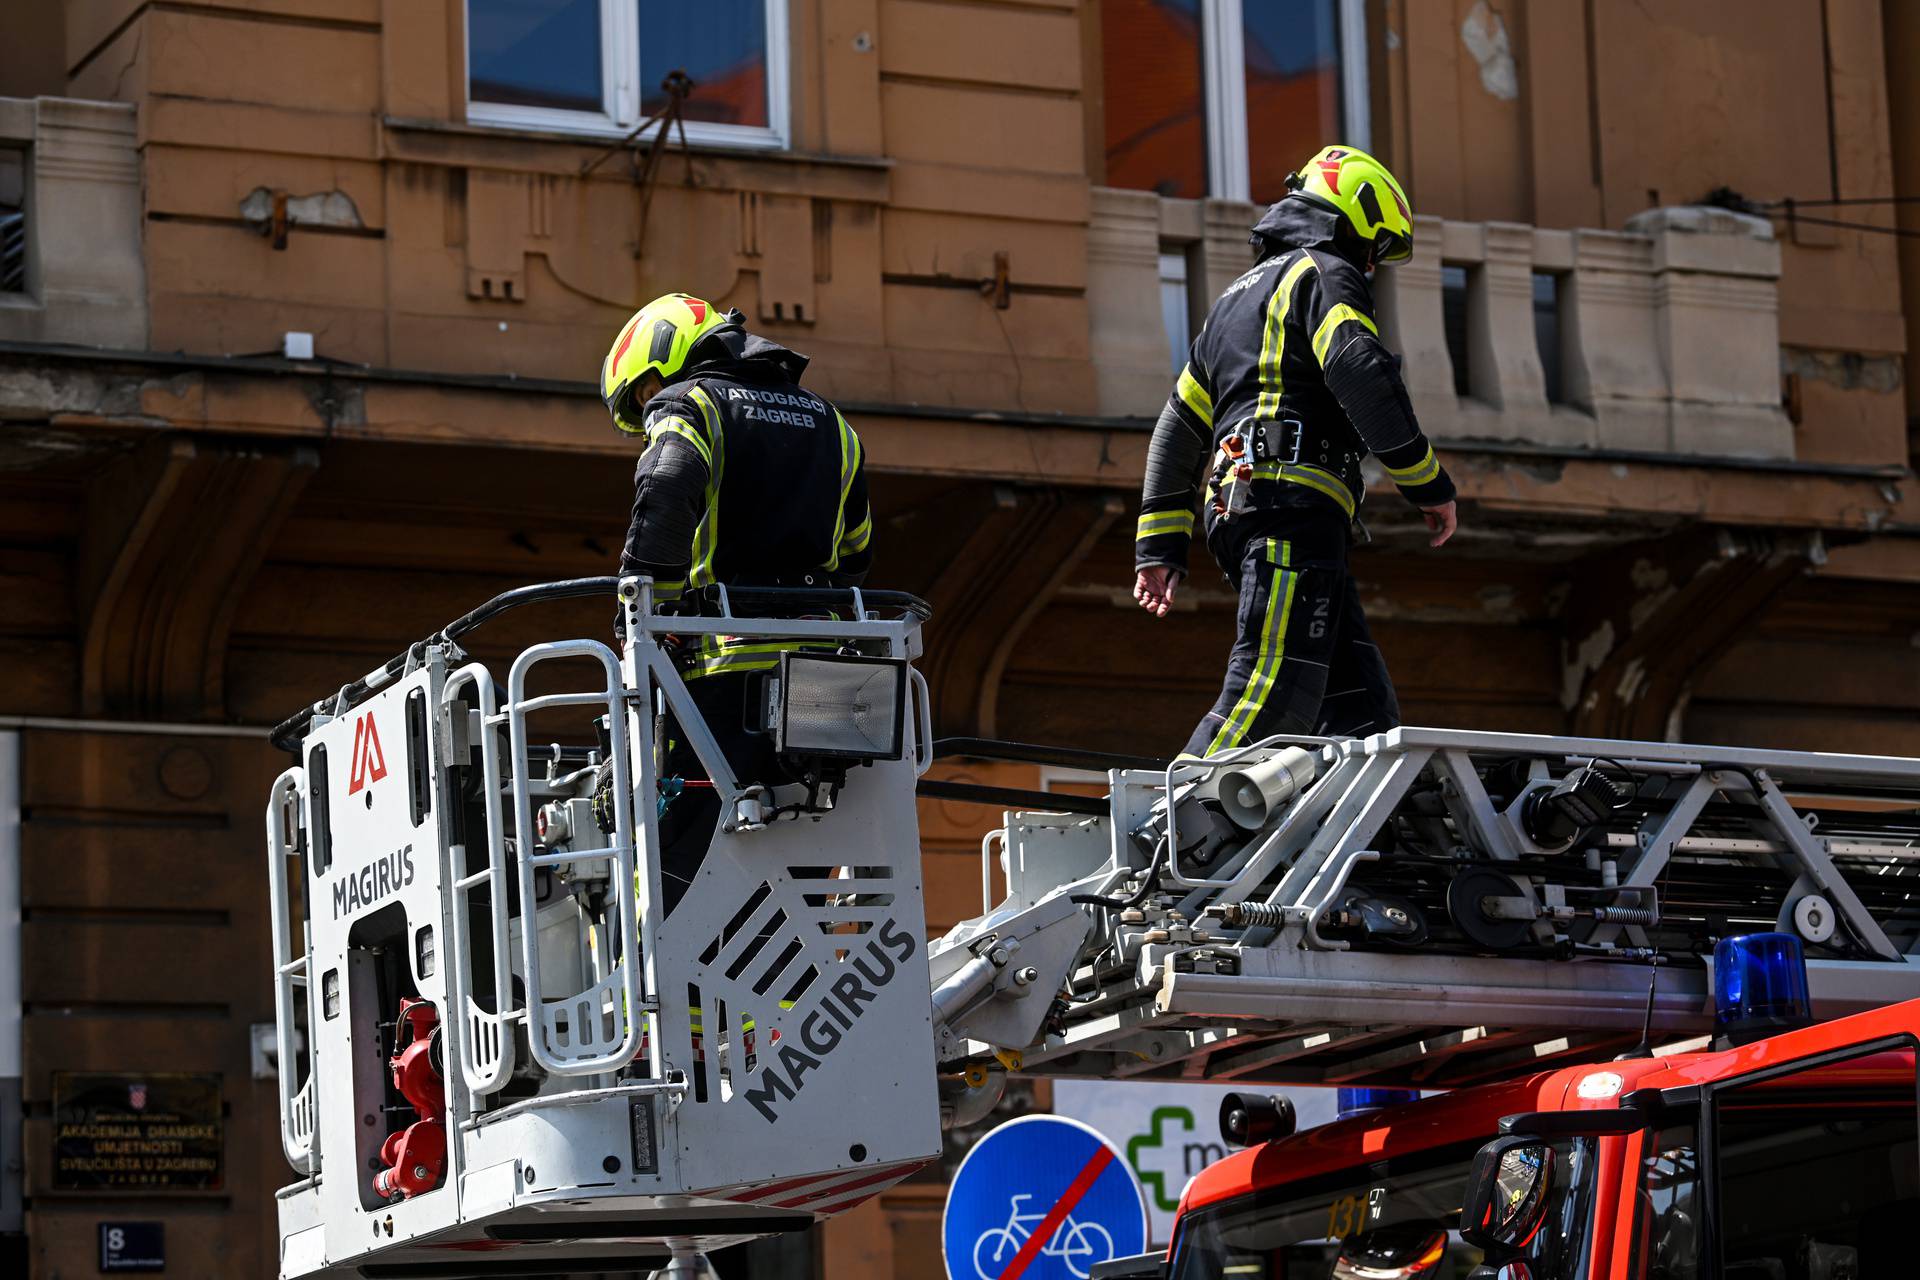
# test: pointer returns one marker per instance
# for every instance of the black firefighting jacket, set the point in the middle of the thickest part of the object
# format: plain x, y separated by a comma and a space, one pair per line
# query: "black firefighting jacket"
747, 478
1292, 346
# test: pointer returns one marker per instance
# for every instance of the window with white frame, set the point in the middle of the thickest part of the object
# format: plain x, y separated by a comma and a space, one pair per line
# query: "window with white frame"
1176, 303
597, 66
1226, 97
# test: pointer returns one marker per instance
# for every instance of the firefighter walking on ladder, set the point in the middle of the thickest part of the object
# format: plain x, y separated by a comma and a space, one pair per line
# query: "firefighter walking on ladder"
1286, 389
746, 479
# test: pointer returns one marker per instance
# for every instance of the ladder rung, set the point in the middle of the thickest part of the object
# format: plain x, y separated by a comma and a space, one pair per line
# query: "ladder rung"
568, 855
546, 700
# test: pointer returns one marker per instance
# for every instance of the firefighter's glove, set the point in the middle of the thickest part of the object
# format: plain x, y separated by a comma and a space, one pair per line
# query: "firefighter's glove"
603, 799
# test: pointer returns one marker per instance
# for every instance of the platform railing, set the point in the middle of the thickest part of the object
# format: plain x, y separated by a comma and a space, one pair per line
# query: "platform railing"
597, 1030
487, 1047
298, 1135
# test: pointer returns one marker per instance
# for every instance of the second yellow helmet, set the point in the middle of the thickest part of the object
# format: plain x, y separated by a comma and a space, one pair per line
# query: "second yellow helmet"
657, 339
1364, 194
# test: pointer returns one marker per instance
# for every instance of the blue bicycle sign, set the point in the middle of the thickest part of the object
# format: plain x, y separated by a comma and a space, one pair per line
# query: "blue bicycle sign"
1041, 1198
1080, 1245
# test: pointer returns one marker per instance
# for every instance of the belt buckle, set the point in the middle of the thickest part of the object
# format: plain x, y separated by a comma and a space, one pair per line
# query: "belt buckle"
1278, 441
1292, 436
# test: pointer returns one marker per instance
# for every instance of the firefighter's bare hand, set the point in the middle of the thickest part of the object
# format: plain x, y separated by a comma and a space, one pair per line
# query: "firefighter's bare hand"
1441, 522
1154, 586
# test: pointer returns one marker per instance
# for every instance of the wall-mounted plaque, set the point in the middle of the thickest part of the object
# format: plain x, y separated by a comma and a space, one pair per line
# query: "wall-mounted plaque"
114, 1132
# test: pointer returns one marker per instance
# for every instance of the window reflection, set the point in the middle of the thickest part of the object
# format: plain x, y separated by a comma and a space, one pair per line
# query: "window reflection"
1156, 137
1293, 88
722, 44
535, 53
1670, 1205
1176, 311
1816, 1176
1395, 1219
1546, 331
13, 220
1453, 321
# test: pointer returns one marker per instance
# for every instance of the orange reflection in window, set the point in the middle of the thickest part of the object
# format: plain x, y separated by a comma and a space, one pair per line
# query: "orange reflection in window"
1155, 108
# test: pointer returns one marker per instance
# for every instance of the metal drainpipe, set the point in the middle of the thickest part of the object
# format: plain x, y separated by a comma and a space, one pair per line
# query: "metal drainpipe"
66, 724
12, 1155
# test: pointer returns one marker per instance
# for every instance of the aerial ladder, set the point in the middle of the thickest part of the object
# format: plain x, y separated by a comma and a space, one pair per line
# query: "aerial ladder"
500, 1054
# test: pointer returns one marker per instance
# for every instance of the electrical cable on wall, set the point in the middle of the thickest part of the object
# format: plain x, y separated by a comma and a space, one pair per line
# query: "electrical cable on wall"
1789, 207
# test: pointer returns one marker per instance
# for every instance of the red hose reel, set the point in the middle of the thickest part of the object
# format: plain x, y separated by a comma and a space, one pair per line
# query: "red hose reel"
416, 1156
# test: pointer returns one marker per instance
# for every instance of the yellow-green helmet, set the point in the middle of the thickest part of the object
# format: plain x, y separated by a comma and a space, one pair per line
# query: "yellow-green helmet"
1361, 190
656, 340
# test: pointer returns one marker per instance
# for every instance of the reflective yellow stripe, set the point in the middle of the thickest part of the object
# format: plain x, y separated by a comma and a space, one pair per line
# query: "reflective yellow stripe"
1311, 477
1421, 472
1194, 395
849, 467
1153, 524
678, 426
696, 1018
856, 541
706, 537
708, 409
668, 588
718, 656
1323, 336
1273, 646
739, 660
1273, 345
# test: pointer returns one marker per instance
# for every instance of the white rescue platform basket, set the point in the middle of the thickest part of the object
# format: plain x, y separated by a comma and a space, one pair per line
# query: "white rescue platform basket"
457, 901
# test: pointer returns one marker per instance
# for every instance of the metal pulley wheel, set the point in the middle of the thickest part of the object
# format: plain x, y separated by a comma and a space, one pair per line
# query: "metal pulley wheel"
1813, 918
1466, 904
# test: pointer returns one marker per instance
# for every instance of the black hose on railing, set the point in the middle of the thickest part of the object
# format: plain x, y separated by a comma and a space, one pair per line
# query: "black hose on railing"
1036, 753
1012, 797
538, 593
1028, 753
285, 735
779, 600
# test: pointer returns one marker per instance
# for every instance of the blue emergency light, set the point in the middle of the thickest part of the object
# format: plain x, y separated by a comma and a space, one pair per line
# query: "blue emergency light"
1360, 1102
1759, 986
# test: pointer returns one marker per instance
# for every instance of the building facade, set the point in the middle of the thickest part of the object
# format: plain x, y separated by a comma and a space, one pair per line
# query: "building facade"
301, 303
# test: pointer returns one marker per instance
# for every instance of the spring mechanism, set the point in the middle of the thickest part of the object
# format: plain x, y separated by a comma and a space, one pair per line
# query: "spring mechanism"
1255, 914
1627, 915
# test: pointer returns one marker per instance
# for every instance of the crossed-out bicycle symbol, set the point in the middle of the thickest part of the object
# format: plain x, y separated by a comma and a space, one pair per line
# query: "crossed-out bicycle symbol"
1079, 1245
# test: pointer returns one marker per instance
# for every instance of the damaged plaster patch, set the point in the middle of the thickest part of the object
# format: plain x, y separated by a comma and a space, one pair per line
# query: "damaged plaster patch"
1654, 587
1587, 658
1848, 370
1633, 681
1484, 33
322, 209
338, 403
1500, 601
38, 394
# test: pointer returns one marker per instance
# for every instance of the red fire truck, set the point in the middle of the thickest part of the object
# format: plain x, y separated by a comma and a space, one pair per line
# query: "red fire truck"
1793, 1157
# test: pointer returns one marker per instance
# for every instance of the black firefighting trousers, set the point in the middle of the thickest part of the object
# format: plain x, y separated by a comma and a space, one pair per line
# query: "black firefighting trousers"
1303, 661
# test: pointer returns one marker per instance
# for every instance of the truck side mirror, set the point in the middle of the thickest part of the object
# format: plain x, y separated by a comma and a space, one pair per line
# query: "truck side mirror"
1507, 1190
